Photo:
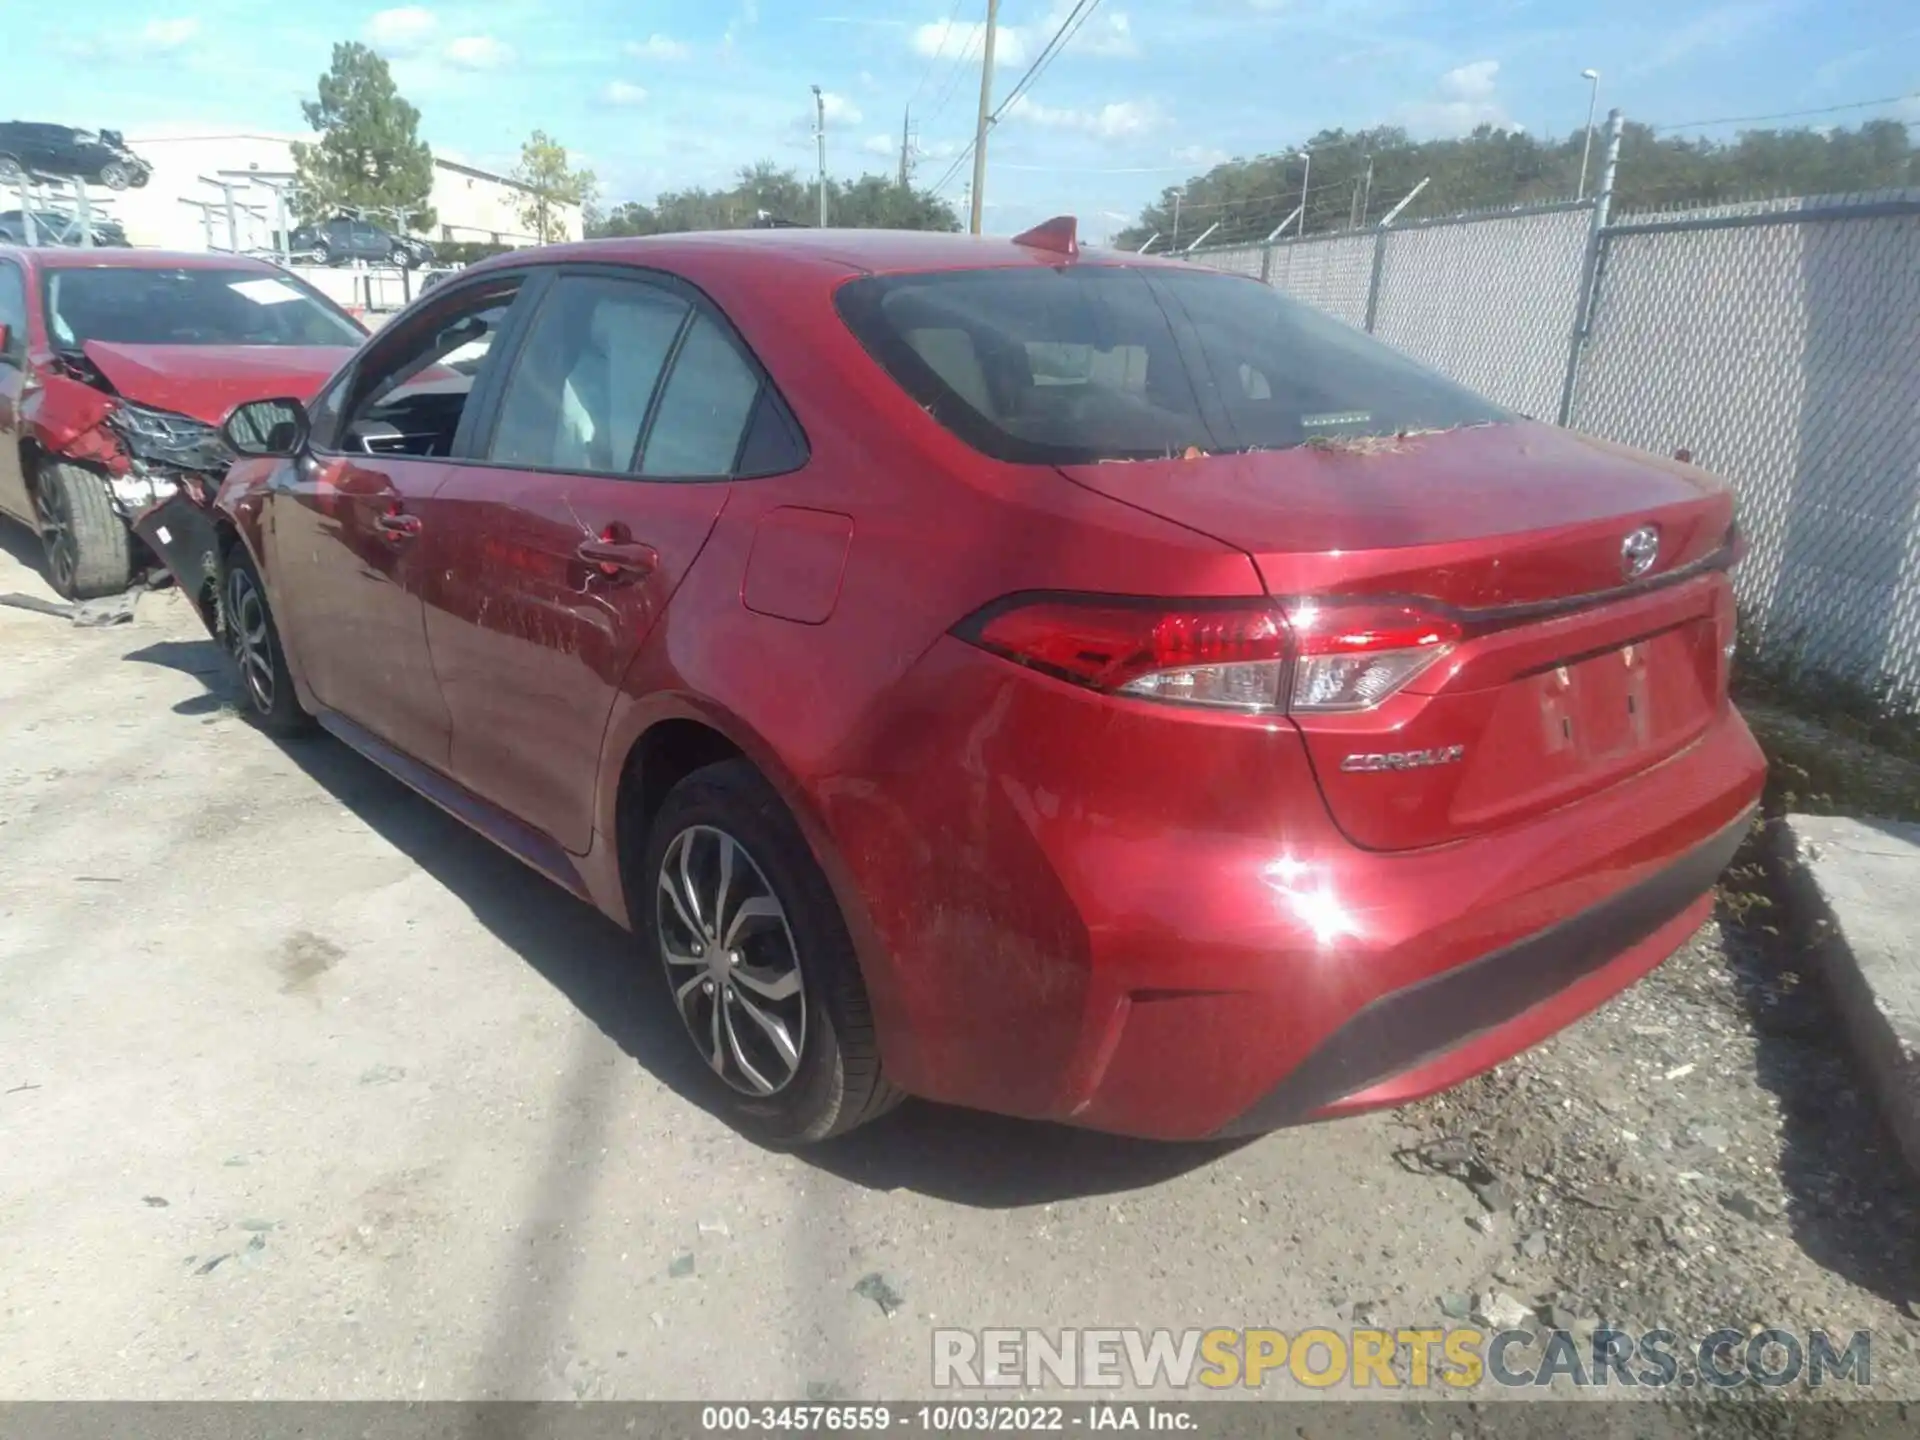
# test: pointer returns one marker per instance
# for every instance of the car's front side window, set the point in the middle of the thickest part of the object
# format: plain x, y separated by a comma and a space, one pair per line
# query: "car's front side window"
409, 396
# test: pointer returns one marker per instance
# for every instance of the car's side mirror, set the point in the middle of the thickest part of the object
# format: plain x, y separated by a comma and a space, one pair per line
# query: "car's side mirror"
276, 428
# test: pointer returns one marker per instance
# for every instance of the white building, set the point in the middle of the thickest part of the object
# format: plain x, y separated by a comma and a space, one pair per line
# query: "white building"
185, 207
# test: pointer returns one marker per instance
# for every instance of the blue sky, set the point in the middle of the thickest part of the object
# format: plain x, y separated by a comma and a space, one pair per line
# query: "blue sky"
672, 93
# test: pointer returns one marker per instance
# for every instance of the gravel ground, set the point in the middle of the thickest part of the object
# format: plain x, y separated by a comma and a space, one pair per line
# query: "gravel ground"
1698, 1154
306, 1092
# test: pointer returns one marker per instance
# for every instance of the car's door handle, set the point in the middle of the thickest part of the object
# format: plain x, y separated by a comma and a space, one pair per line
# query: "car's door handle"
396, 526
619, 557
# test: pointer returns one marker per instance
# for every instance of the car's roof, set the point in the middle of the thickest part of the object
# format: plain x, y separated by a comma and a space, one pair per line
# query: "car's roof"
108, 257
873, 251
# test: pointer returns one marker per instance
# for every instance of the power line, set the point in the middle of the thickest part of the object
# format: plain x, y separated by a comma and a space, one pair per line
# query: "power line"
1069, 27
946, 35
1785, 114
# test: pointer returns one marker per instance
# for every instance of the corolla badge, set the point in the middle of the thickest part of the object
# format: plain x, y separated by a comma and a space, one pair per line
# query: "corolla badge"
1638, 552
1404, 759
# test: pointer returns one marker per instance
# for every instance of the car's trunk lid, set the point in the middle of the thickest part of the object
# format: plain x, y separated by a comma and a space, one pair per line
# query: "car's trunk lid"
1573, 669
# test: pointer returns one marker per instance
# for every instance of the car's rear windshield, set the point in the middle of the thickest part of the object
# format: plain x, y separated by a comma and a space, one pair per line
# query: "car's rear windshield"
1110, 362
189, 306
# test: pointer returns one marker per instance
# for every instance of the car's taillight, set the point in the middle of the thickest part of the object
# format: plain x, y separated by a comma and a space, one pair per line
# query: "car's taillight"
1197, 653
1354, 654
1248, 655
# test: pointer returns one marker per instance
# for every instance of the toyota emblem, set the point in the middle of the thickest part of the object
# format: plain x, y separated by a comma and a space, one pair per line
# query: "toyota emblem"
1638, 552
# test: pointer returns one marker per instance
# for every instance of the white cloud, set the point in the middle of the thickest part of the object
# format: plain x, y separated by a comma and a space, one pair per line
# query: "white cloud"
1119, 120
957, 40
620, 92
166, 35
840, 110
1717, 29
402, 31
881, 144
1202, 157
477, 52
1467, 97
659, 47
1109, 35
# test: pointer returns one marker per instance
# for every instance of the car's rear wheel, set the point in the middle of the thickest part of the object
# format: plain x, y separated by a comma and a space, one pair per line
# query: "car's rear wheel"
89, 552
9, 168
757, 960
114, 175
246, 622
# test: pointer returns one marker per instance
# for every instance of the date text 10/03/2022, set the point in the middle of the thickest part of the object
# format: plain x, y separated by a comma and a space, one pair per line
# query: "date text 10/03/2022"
943, 1419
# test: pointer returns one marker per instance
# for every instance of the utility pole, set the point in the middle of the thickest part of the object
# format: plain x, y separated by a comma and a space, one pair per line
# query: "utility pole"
1592, 77
1305, 175
1366, 194
1178, 196
820, 131
906, 144
980, 128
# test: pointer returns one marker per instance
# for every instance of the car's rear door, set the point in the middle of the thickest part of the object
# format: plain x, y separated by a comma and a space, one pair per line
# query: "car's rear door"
604, 464
346, 522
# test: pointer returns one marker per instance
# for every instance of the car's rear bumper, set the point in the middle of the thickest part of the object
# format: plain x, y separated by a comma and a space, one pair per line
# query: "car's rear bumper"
1128, 917
1439, 1031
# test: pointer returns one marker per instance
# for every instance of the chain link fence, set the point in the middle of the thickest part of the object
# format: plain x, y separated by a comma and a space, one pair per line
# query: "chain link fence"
1779, 343
1781, 346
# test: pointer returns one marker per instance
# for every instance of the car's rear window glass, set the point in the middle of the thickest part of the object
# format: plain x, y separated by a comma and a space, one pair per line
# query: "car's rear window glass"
1110, 362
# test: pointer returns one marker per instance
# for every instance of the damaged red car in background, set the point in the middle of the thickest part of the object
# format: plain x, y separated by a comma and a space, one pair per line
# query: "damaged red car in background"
116, 368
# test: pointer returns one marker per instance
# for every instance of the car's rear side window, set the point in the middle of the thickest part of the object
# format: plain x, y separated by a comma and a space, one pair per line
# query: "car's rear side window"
1083, 363
580, 386
703, 410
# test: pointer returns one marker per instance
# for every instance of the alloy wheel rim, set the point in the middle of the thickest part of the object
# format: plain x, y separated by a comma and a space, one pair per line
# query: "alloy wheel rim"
252, 646
63, 560
731, 961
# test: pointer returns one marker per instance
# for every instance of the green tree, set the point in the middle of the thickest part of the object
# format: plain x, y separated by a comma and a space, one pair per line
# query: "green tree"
369, 156
551, 183
1498, 168
764, 191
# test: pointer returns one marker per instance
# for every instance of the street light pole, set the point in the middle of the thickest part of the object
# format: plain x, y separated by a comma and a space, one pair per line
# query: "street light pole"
1178, 196
1586, 146
820, 130
1305, 175
986, 119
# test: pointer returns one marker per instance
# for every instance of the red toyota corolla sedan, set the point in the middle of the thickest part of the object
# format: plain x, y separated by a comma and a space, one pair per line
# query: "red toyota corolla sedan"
1063, 683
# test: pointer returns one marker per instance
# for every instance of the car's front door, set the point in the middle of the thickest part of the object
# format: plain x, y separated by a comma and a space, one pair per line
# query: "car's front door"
598, 477
346, 520
14, 499
366, 242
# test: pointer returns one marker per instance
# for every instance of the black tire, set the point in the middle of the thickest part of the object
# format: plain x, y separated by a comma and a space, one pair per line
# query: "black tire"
114, 175
9, 168
837, 1083
253, 640
89, 551
401, 257
322, 253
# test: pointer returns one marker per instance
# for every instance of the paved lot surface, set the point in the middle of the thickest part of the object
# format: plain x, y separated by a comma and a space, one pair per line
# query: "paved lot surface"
306, 1092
